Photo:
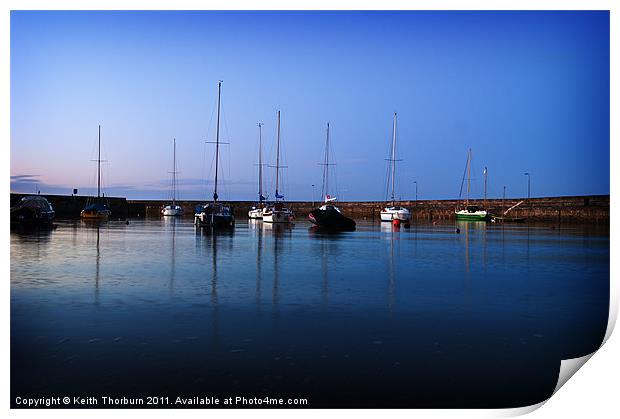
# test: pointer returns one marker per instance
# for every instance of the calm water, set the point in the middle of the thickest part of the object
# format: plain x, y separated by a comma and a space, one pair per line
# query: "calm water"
421, 317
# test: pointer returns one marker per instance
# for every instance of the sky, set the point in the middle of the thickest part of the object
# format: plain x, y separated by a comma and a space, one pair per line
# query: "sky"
526, 91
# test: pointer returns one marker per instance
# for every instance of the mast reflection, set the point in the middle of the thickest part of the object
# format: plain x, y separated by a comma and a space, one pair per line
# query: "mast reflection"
256, 227
277, 231
171, 224
95, 227
209, 240
394, 235
324, 270
276, 272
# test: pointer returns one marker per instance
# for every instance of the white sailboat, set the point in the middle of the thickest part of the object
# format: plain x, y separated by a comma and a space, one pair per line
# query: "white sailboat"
215, 214
277, 212
173, 209
394, 212
256, 212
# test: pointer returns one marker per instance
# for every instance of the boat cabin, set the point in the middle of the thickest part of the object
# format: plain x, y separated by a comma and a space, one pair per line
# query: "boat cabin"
472, 208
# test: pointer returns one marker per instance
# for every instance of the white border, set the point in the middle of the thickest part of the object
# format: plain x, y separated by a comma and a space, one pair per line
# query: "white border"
593, 393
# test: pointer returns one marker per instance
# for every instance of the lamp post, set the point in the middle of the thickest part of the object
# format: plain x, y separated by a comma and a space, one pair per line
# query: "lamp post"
313, 196
416, 192
528, 185
529, 204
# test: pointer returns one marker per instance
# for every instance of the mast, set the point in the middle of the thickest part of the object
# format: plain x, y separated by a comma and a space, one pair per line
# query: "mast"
393, 155
485, 187
174, 170
468, 176
278, 156
99, 165
260, 163
217, 137
326, 166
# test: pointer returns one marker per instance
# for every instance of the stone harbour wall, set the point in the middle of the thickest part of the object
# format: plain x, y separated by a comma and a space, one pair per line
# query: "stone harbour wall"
564, 209
571, 209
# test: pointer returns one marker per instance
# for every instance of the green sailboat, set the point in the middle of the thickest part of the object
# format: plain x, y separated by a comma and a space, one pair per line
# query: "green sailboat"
470, 212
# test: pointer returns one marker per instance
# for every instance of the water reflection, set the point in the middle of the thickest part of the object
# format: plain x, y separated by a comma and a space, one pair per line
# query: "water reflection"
209, 243
256, 229
316, 232
93, 235
276, 236
391, 228
33, 234
171, 225
34, 239
391, 275
328, 247
97, 259
277, 229
291, 310
473, 231
213, 244
324, 274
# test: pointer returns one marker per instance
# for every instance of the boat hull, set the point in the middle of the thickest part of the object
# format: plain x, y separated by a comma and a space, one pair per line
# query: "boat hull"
95, 215
95, 211
331, 219
172, 211
465, 215
214, 216
28, 217
402, 214
214, 220
275, 216
256, 214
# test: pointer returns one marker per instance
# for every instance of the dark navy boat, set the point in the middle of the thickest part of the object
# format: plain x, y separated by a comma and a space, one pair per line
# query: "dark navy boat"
215, 214
329, 217
32, 210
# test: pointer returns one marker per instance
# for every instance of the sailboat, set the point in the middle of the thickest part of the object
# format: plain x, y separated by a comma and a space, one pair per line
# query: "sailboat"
329, 216
173, 209
394, 212
215, 214
95, 209
502, 218
470, 212
256, 212
277, 212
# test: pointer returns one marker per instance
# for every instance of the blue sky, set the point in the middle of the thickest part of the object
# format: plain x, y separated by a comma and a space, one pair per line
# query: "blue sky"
527, 91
